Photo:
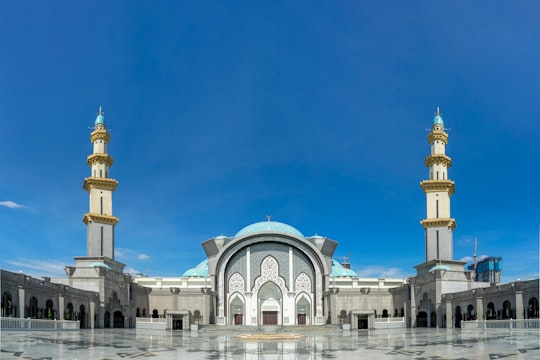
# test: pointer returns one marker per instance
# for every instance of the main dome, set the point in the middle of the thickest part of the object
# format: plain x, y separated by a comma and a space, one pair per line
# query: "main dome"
269, 226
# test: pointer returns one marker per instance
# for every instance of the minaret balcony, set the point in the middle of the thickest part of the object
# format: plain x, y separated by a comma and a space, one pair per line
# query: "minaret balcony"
99, 159
448, 222
437, 135
100, 134
438, 185
100, 183
100, 218
438, 159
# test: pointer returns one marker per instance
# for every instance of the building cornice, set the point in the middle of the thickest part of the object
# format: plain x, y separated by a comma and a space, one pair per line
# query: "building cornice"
448, 222
437, 135
99, 158
438, 185
438, 159
100, 183
100, 218
100, 134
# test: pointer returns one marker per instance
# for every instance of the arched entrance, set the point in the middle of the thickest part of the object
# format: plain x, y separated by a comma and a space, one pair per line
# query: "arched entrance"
236, 309
118, 319
421, 320
33, 309
270, 302
303, 310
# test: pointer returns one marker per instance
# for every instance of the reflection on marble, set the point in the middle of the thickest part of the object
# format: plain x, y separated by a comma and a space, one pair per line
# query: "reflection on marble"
108, 344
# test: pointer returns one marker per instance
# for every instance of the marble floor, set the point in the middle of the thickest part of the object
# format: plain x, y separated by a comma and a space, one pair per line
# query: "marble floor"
109, 344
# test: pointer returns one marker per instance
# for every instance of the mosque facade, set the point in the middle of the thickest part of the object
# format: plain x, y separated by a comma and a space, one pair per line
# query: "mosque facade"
268, 273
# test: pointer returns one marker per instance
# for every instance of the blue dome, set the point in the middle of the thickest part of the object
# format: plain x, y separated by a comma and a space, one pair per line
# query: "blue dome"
338, 270
200, 270
100, 119
269, 226
438, 118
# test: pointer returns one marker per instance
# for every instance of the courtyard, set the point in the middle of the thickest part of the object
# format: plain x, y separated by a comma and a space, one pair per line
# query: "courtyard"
322, 343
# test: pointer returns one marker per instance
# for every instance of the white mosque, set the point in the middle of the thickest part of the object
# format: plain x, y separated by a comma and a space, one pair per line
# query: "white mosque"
268, 273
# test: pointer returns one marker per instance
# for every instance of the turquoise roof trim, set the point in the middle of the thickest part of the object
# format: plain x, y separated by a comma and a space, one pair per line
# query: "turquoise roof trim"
269, 226
100, 264
338, 270
200, 270
439, 267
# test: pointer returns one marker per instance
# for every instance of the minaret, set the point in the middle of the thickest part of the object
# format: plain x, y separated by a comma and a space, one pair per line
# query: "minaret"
438, 224
100, 220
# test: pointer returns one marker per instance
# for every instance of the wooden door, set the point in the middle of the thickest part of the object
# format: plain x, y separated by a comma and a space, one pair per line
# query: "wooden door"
270, 317
238, 319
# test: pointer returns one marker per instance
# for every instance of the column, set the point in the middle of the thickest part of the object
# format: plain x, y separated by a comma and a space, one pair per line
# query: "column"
21, 302
60, 307
519, 305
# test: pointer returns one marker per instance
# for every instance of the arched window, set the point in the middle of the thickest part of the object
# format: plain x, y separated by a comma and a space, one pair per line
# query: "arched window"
385, 313
155, 314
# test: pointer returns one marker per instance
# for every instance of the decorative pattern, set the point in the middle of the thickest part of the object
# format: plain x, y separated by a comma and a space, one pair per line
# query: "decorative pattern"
236, 283
303, 283
270, 272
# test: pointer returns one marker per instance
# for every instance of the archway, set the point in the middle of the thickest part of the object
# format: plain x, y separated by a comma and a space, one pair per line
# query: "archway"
533, 308
236, 310
303, 310
7, 304
490, 313
507, 310
82, 317
270, 304
49, 312
421, 320
107, 320
433, 319
458, 317
118, 319
471, 314
68, 314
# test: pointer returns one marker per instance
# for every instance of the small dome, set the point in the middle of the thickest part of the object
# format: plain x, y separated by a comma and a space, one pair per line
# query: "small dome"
438, 118
200, 270
338, 270
269, 226
100, 119
100, 264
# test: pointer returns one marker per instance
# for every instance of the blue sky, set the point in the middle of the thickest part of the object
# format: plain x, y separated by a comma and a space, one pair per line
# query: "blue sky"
312, 112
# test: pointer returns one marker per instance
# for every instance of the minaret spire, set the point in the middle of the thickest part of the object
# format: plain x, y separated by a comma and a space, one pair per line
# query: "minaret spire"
438, 224
100, 220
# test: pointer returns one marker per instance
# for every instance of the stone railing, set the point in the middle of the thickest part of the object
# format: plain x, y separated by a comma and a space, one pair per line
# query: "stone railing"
151, 323
522, 324
8, 323
389, 323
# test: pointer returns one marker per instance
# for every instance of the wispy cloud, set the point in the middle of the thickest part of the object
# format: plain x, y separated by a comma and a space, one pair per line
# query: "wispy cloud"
132, 271
38, 268
381, 271
11, 204
143, 256
471, 259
